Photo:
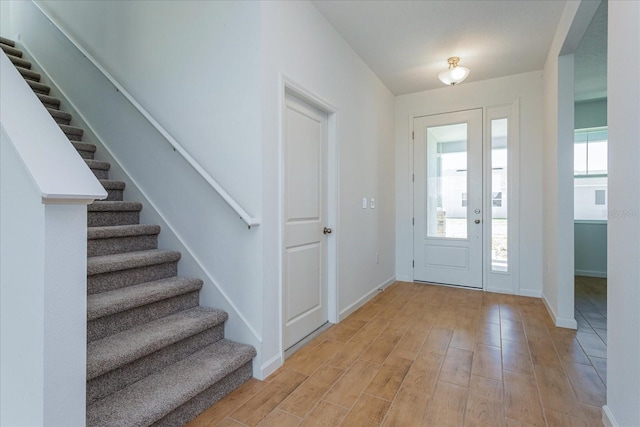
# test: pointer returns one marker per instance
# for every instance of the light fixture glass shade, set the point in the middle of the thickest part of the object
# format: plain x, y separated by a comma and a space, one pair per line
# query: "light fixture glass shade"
455, 74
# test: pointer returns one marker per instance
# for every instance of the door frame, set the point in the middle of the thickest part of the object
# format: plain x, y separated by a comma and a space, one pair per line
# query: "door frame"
508, 283
474, 119
290, 87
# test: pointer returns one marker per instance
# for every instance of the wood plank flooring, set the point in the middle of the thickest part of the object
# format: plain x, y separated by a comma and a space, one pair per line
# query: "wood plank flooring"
424, 355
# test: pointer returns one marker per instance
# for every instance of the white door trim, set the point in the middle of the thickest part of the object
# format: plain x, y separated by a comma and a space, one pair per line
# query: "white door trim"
468, 251
288, 86
489, 283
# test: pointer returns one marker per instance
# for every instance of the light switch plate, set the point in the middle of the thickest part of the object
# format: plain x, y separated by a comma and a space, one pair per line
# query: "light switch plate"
372, 203
364, 203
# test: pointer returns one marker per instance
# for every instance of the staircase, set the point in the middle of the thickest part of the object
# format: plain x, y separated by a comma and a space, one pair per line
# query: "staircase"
154, 356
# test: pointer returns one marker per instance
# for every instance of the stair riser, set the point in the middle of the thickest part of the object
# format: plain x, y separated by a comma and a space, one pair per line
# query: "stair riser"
60, 117
61, 121
86, 154
8, 42
198, 404
29, 75
115, 195
11, 51
110, 382
73, 136
20, 62
116, 245
100, 174
118, 322
53, 106
40, 90
101, 219
120, 279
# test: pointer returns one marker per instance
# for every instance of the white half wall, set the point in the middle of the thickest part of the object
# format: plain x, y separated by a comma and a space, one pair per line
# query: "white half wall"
523, 88
300, 46
623, 299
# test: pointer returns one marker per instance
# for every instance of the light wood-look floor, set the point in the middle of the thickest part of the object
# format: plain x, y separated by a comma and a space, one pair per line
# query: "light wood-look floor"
423, 355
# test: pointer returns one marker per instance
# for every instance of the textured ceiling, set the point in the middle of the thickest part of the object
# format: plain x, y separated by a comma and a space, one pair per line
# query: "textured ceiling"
406, 43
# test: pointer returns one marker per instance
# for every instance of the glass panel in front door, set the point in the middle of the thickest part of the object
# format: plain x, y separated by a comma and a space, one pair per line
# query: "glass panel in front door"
447, 181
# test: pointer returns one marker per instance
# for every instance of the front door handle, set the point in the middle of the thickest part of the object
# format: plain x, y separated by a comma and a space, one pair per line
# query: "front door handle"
327, 230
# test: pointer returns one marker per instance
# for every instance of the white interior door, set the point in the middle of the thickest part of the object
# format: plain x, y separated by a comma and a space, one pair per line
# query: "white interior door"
448, 198
305, 292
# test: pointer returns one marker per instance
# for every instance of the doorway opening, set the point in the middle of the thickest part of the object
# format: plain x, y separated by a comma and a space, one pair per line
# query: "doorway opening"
590, 158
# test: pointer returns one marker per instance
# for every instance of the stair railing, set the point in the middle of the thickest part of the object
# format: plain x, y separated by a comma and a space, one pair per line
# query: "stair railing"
244, 215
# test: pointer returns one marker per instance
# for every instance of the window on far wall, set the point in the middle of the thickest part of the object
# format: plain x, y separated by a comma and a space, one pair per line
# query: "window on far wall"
590, 174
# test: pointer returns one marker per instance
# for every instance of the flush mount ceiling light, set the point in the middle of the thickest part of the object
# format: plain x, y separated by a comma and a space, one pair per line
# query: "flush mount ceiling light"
455, 74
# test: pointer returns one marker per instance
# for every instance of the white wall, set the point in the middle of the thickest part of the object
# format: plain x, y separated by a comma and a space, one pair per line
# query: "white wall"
5, 20
299, 45
195, 66
623, 338
527, 89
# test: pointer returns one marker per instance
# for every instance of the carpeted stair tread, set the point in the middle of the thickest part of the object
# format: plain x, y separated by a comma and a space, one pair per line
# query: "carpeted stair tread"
72, 130
29, 74
122, 231
117, 350
119, 300
125, 261
112, 185
19, 61
60, 115
38, 87
11, 50
98, 165
8, 42
171, 387
49, 100
99, 206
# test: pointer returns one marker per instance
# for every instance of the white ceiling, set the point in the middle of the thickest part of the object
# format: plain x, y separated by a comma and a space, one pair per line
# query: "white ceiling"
407, 43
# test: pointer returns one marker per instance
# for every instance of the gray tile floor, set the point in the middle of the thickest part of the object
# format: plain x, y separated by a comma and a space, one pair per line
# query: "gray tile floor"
591, 315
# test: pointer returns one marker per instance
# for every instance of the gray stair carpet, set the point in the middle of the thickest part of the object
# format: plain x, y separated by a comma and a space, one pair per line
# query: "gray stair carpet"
154, 355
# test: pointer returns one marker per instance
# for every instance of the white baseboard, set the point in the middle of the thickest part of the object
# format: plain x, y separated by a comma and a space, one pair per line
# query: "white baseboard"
390, 281
403, 278
607, 417
270, 366
591, 273
366, 297
530, 293
560, 322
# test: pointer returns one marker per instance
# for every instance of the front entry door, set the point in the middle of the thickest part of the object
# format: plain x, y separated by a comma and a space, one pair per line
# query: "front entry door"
448, 198
305, 293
